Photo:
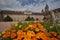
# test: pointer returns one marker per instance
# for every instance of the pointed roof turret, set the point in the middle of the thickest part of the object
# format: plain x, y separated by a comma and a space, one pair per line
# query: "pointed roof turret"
46, 8
42, 11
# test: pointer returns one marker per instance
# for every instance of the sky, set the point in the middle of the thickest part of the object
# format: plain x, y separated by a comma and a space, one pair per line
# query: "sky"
30, 5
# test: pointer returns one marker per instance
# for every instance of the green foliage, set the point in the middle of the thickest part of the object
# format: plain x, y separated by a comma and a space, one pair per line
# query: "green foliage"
8, 38
8, 19
23, 25
50, 27
29, 18
17, 27
57, 27
37, 19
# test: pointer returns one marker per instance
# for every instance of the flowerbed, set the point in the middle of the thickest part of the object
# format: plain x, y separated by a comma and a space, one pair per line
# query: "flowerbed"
30, 31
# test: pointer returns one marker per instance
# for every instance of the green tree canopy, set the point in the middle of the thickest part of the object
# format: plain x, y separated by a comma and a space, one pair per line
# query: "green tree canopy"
8, 19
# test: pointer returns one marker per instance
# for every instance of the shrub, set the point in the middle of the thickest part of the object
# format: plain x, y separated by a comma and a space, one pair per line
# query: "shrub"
29, 18
8, 19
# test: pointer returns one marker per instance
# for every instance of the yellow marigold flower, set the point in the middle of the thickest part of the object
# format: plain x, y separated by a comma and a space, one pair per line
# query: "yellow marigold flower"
30, 33
0, 34
37, 29
16, 24
3, 32
20, 26
30, 25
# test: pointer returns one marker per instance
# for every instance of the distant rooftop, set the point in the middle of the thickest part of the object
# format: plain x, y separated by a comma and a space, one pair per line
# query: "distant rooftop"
56, 10
22, 12
19, 12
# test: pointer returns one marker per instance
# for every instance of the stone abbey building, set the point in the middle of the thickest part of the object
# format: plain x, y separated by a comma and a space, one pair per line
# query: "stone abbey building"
22, 15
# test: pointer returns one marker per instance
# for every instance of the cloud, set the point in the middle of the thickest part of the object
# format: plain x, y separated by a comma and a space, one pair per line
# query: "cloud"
9, 4
53, 4
32, 5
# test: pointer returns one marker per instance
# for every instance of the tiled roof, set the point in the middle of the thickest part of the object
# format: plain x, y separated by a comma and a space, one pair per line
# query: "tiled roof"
19, 13
33, 13
56, 10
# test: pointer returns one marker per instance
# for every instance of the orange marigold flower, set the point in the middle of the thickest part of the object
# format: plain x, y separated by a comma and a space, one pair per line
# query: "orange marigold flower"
53, 33
27, 38
54, 39
46, 38
7, 34
37, 29
15, 39
13, 35
19, 31
41, 35
58, 36
41, 27
34, 38
34, 25
21, 35
14, 31
25, 29
47, 34
39, 24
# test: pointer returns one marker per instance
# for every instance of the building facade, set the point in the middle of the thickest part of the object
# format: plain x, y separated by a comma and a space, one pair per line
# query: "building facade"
45, 15
21, 16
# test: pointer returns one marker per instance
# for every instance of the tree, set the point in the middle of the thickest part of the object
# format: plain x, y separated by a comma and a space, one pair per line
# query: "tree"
32, 19
37, 19
1, 18
8, 19
29, 18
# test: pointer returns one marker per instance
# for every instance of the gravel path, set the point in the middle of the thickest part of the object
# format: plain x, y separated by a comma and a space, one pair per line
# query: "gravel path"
4, 25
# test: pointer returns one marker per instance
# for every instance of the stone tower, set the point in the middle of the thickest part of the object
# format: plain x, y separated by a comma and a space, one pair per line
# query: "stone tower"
42, 11
47, 14
46, 8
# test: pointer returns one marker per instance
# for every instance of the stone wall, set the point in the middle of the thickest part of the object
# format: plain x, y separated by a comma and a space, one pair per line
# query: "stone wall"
23, 17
